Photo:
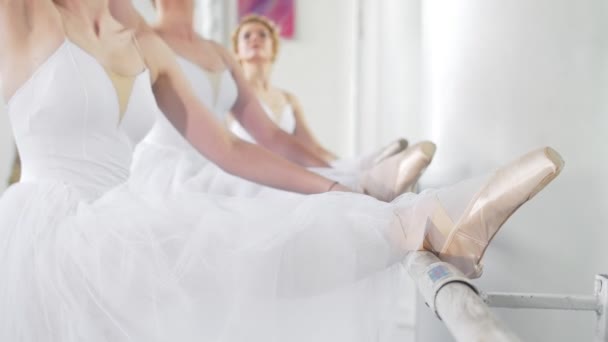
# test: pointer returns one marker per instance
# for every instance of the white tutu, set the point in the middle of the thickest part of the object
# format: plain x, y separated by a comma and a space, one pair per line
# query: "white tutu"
84, 257
126, 267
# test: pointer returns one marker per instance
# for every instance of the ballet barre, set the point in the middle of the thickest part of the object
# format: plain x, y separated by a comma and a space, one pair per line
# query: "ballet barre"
465, 310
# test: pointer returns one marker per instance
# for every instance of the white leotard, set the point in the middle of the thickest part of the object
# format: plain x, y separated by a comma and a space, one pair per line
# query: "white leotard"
286, 121
72, 132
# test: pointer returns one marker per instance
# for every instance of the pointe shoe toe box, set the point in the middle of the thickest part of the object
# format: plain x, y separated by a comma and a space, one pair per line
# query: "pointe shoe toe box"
505, 192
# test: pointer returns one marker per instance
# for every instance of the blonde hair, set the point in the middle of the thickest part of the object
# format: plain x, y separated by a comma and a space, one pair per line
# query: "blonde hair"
262, 20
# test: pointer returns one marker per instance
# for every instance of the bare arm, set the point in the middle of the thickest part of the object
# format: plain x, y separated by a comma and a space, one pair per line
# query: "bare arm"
303, 132
209, 136
125, 13
16, 21
29, 29
20, 19
250, 114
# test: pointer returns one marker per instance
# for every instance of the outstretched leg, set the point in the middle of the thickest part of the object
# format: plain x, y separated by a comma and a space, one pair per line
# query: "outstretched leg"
460, 222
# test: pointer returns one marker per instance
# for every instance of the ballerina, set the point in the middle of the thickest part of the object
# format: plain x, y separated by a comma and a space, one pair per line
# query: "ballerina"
85, 258
169, 163
256, 44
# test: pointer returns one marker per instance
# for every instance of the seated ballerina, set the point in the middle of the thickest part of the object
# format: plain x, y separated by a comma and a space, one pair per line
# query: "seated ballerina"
256, 43
84, 257
165, 162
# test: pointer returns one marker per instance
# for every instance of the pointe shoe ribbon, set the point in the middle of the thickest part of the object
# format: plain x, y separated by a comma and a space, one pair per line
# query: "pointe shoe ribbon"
439, 229
463, 243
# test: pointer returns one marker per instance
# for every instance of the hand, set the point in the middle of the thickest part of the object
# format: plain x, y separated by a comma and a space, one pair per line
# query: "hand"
335, 186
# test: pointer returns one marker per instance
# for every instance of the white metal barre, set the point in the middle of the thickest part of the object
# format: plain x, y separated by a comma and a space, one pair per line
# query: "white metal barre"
455, 300
465, 313
597, 303
540, 301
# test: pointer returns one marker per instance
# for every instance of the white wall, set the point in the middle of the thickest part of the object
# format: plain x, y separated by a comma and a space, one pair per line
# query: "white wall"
389, 85
502, 77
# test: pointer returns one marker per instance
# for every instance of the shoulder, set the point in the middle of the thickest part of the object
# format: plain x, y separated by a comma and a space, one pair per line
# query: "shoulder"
29, 11
150, 41
217, 47
158, 55
24, 23
29, 32
291, 98
226, 56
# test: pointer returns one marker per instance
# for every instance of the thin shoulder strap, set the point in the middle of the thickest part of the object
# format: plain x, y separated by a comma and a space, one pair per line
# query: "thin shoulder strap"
138, 48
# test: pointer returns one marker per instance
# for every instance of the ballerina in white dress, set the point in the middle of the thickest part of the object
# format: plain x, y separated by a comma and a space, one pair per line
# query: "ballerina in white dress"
166, 162
256, 43
84, 258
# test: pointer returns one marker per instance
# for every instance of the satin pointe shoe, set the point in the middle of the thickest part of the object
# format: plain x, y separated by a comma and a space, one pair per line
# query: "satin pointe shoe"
464, 242
399, 173
390, 150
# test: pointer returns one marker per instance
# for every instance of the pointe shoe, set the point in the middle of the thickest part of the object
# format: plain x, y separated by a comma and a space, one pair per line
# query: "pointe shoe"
382, 153
464, 242
390, 150
399, 173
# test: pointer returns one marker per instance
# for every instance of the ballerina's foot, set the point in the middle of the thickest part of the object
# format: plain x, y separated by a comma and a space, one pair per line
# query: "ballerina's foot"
390, 150
463, 242
399, 173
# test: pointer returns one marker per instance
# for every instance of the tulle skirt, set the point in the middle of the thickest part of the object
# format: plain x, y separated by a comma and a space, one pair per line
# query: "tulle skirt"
163, 169
130, 266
